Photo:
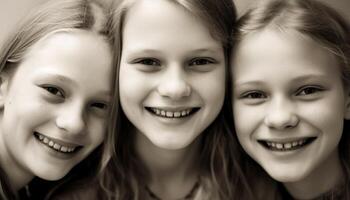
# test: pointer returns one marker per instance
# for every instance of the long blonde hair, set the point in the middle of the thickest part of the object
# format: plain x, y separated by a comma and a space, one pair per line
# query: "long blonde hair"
221, 173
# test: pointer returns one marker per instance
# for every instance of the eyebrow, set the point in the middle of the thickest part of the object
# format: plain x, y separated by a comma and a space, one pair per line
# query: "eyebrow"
209, 49
310, 77
307, 77
58, 77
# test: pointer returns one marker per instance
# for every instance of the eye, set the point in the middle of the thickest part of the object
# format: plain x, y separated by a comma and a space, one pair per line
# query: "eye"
201, 61
202, 64
54, 90
102, 106
147, 64
254, 95
148, 61
99, 108
309, 90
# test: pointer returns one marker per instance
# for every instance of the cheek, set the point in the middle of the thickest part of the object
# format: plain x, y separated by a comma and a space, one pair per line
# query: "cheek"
328, 116
97, 129
211, 87
132, 85
27, 111
246, 118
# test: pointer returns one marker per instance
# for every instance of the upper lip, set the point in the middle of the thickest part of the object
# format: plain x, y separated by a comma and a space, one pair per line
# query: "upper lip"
61, 142
173, 108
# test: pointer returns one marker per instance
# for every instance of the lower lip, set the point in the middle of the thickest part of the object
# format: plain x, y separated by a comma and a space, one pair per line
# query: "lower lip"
54, 153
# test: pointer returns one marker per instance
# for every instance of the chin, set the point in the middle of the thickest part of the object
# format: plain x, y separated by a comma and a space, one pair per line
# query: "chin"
286, 176
53, 177
52, 174
172, 143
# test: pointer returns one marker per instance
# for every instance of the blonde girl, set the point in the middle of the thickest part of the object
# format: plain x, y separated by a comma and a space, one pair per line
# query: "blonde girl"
56, 74
291, 96
172, 141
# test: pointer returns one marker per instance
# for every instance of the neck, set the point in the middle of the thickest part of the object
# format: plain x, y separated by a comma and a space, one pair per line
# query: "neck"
17, 176
327, 176
172, 172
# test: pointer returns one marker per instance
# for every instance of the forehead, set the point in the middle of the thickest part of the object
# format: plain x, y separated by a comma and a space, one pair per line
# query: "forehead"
270, 51
66, 45
81, 56
272, 46
166, 28
161, 21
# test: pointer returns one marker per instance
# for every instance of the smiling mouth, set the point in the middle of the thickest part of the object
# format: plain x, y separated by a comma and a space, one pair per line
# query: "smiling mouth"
172, 114
54, 145
286, 146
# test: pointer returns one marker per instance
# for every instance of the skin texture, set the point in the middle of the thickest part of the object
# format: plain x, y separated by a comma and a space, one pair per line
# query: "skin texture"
287, 88
172, 70
48, 94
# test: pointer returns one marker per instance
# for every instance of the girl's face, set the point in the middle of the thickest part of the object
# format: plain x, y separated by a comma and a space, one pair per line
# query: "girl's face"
55, 104
289, 105
172, 74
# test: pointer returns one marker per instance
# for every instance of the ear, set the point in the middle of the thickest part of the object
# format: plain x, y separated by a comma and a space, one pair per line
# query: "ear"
347, 103
4, 82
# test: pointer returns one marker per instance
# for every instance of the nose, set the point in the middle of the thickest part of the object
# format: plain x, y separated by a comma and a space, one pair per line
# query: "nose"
174, 85
71, 119
281, 115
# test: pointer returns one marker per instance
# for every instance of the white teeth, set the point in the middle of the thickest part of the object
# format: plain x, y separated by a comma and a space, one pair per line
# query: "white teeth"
285, 146
64, 149
177, 114
162, 113
279, 146
57, 146
54, 145
170, 114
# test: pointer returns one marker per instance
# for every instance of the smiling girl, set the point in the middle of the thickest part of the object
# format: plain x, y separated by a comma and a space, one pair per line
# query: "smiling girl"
55, 87
291, 96
172, 141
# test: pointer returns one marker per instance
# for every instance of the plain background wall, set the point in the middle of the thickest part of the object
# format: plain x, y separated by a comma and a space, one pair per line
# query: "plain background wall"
11, 11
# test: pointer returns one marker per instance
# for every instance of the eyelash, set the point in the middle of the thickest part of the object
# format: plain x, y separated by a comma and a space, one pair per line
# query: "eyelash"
53, 90
99, 105
201, 61
314, 89
303, 92
148, 61
249, 95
